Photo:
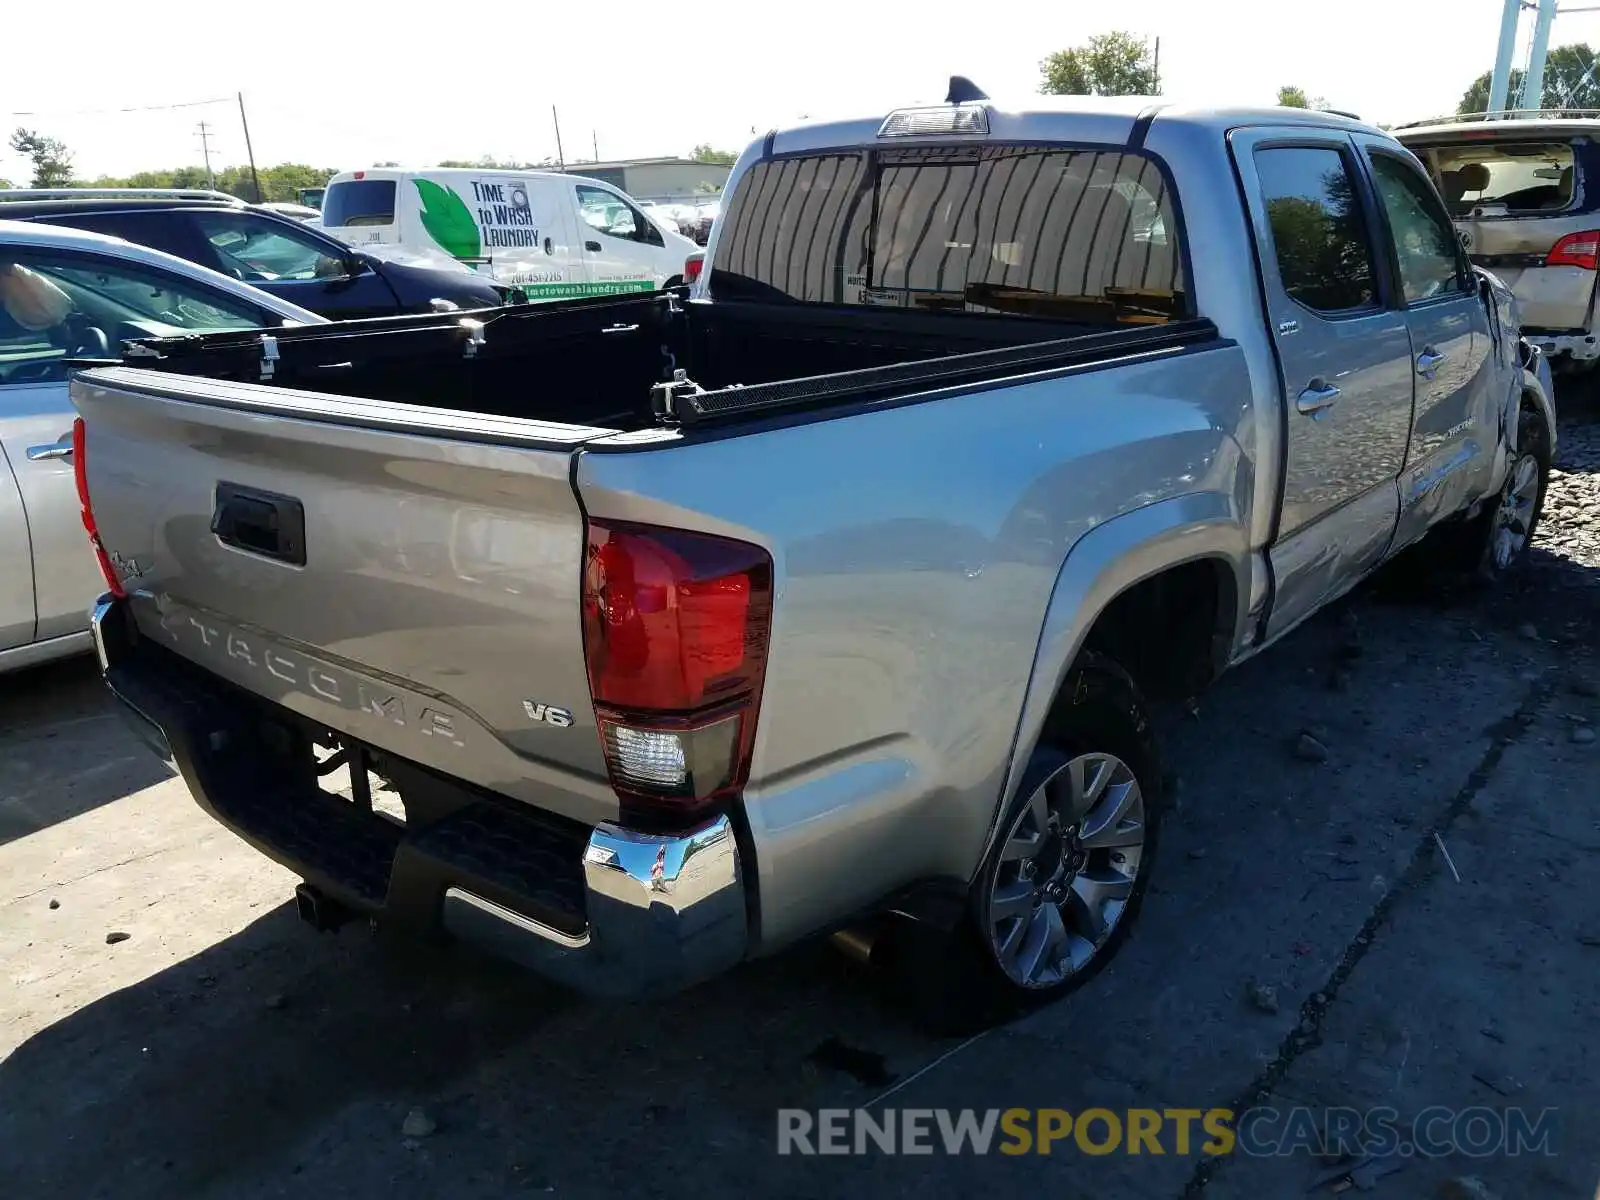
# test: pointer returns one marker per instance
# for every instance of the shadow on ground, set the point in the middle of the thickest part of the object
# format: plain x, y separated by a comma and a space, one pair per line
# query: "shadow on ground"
64, 750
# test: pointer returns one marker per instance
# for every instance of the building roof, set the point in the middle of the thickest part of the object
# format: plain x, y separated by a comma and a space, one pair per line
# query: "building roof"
622, 163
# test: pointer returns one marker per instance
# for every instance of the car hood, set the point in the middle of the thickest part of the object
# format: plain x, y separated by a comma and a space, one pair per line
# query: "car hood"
417, 281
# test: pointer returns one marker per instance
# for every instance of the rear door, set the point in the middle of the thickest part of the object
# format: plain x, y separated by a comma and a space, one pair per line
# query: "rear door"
1455, 420
1344, 356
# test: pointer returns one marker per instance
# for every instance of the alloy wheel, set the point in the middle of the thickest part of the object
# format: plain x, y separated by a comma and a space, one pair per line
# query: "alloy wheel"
1067, 870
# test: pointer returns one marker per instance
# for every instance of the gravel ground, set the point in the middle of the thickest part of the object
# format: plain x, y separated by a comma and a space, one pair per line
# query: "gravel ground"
1570, 532
224, 1050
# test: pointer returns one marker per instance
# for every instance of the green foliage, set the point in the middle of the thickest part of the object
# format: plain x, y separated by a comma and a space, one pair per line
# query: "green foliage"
489, 163
703, 153
1290, 96
52, 161
1109, 64
1567, 83
448, 220
281, 182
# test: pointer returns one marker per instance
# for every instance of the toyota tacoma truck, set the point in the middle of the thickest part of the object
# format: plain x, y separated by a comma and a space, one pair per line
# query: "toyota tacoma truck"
654, 633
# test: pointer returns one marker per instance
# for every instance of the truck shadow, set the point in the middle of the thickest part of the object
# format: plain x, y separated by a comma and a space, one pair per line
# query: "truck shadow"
63, 748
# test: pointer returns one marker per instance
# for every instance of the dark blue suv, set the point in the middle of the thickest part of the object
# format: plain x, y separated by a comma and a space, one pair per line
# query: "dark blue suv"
274, 253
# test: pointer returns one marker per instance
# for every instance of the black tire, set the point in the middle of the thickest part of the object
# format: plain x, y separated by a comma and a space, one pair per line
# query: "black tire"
958, 981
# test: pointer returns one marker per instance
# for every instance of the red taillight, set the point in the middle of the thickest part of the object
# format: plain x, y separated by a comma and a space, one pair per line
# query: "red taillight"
692, 266
80, 474
675, 637
1576, 250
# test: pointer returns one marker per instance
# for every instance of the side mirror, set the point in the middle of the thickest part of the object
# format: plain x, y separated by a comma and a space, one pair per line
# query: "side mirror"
354, 265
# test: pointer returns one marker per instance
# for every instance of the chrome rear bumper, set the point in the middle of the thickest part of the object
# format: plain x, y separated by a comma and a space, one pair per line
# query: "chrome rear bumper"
636, 912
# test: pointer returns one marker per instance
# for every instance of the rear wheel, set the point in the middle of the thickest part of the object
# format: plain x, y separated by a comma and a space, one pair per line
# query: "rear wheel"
1061, 886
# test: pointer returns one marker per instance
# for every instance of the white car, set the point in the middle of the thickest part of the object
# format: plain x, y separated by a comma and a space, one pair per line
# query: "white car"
65, 294
554, 236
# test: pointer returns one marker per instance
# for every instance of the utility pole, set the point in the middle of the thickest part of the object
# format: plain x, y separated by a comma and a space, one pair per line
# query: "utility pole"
596, 136
1500, 81
250, 153
1157, 70
561, 157
205, 150
1533, 86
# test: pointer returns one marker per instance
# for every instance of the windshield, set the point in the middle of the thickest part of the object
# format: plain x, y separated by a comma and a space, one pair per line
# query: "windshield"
1510, 176
1078, 235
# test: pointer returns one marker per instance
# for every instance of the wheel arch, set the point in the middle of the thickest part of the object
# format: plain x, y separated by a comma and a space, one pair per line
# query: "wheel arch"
1201, 535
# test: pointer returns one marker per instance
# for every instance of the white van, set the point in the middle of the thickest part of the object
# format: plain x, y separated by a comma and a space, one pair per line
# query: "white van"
554, 236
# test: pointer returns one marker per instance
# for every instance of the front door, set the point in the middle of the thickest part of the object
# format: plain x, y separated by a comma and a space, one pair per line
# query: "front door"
293, 264
1456, 423
622, 248
1345, 362
16, 555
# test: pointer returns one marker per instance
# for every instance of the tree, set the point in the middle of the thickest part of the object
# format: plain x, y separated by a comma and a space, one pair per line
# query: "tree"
1568, 83
488, 162
52, 161
1110, 64
703, 153
1290, 96
281, 182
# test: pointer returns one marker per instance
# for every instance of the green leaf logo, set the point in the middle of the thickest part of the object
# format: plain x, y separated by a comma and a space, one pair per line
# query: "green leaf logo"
448, 220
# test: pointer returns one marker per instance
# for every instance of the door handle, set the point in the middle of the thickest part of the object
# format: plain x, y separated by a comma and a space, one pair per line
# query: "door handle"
1428, 362
595, 246
1314, 401
58, 449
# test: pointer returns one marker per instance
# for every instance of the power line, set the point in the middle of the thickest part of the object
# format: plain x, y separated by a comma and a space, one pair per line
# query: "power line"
92, 112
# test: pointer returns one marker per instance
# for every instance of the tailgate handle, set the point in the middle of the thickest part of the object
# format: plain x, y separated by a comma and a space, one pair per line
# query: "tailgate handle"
263, 523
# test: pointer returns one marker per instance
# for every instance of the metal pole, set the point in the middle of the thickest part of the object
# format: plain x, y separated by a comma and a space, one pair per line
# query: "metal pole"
205, 150
1533, 86
1156, 70
1500, 81
249, 152
561, 157
595, 134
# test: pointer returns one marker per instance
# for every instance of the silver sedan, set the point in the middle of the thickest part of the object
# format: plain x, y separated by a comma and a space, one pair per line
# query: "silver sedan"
67, 294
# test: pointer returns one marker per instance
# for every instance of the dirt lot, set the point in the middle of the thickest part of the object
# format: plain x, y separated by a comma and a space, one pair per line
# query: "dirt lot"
224, 1049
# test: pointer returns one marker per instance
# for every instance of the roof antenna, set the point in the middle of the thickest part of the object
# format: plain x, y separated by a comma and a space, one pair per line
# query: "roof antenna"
964, 91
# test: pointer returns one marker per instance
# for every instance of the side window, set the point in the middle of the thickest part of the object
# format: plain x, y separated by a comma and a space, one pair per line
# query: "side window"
1318, 235
260, 251
1424, 240
58, 306
610, 214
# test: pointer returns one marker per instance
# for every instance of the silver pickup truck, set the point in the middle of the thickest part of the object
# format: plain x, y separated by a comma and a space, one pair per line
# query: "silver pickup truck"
658, 632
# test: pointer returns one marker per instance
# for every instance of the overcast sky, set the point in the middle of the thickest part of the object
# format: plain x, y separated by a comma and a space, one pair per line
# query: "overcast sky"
346, 83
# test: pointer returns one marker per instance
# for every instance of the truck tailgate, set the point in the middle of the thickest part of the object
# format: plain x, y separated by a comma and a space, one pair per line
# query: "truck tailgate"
406, 576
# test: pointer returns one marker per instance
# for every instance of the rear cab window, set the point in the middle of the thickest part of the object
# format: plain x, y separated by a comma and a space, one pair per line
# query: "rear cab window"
1069, 234
356, 202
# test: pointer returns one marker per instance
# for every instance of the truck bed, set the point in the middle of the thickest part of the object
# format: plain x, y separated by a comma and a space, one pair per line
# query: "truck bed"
594, 363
